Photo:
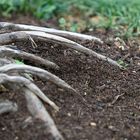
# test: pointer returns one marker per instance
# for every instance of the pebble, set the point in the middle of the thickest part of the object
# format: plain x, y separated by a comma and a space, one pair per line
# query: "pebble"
93, 124
69, 114
85, 93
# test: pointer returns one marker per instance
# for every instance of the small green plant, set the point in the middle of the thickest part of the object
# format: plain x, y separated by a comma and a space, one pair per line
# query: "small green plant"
74, 27
42, 9
122, 63
62, 23
18, 61
6, 7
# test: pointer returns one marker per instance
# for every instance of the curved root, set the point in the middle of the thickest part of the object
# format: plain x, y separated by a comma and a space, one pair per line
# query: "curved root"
9, 52
38, 110
44, 74
66, 34
25, 35
23, 82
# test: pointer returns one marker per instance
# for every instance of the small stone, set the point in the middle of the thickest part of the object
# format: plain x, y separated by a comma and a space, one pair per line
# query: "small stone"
4, 128
134, 71
69, 114
16, 138
85, 93
122, 48
76, 52
90, 29
93, 124
60, 89
110, 127
125, 139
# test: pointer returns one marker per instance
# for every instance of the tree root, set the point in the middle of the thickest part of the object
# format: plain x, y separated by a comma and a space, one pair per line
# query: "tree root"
9, 52
34, 105
25, 35
38, 111
4, 61
23, 82
66, 34
15, 76
44, 74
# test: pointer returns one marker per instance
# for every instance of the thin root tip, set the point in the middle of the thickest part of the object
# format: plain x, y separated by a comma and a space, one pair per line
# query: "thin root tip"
73, 90
57, 67
56, 108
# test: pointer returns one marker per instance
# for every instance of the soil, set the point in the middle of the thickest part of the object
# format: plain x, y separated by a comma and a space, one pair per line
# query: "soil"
112, 111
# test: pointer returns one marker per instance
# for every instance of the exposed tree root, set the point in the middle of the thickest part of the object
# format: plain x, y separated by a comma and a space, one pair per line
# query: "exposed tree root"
4, 61
34, 105
15, 76
7, 106
38, 110
9, 52
44, 74
66, 34
7, 38
23, 82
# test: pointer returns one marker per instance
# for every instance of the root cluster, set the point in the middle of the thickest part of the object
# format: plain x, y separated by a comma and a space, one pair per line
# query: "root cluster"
16, 77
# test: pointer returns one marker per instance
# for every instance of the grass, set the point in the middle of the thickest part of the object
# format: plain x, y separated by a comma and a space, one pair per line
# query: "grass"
116, 14
122, 15
39, 8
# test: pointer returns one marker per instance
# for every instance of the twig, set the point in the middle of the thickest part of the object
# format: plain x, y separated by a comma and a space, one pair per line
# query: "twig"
116, 98
33, 42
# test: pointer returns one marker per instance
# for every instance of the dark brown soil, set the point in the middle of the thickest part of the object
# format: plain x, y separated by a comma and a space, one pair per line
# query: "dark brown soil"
103, 117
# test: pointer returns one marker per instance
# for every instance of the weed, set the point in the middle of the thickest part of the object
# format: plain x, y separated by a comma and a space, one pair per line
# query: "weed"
39, 8
18, 61
122, 63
